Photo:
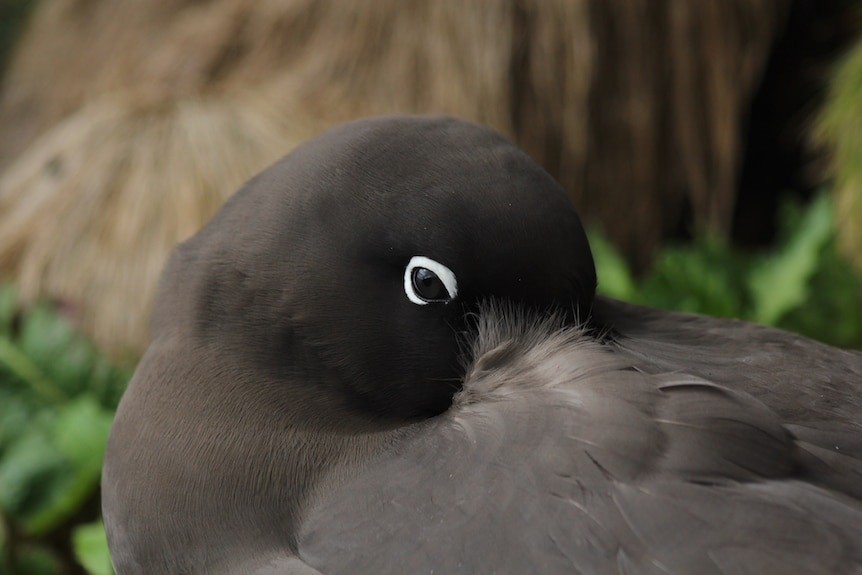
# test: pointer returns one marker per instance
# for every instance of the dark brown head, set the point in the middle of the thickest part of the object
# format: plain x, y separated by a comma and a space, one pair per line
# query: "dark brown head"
366, 248
334, 287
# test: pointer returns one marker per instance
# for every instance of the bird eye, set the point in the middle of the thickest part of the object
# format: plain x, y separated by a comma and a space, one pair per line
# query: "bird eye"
427, 281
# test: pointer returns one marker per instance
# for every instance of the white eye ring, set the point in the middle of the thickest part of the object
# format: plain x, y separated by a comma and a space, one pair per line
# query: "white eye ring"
445, 274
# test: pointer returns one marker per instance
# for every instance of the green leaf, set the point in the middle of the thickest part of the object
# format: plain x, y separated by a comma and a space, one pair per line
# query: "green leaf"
8, 306
34, 559
704, 277
43, 332
79, 435
55, 362
18, 366
108, 381
834, 316
16, 414
52, 343
28, 467
780, 283
53, 468
91, 548
615, 277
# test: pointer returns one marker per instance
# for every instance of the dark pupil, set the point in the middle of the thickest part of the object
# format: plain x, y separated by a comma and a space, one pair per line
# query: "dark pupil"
428, 285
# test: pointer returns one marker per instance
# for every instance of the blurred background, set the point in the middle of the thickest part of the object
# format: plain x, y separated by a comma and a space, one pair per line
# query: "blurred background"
714, 148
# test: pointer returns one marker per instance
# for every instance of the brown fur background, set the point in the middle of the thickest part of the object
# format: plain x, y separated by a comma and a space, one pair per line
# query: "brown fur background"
125, 124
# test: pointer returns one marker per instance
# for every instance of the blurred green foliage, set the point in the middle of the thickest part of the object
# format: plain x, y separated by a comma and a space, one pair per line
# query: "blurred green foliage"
838, 128
802, 284
57, 398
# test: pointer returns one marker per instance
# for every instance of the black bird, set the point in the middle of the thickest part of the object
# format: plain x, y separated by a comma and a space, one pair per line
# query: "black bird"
384, 355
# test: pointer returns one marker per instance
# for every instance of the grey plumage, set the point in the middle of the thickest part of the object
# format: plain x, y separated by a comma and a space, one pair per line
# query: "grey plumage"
298, 413
578, 461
